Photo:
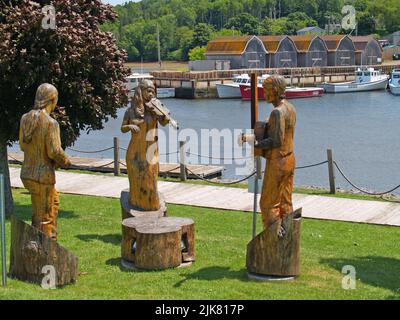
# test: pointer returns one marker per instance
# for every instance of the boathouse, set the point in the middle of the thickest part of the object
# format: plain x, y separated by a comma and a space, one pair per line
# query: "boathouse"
368, 51
282, 52
243, 52
312, 51
341, 50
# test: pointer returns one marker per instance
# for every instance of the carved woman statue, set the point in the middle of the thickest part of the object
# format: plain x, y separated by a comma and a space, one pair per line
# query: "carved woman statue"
142, 157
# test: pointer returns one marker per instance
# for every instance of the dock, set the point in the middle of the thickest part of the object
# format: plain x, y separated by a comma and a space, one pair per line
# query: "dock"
167, 170
202, 84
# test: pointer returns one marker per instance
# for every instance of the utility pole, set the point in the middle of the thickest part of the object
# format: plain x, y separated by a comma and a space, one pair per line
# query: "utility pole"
158, 45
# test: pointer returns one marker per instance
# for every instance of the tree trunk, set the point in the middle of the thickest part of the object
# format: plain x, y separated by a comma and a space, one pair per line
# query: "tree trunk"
6, 172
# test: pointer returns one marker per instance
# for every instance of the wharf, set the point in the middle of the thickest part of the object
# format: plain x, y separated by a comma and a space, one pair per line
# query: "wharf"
171, 170
202, 84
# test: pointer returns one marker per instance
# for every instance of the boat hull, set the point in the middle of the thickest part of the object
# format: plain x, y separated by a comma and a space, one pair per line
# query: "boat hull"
355, 87
295, 93
394, 89
226, 91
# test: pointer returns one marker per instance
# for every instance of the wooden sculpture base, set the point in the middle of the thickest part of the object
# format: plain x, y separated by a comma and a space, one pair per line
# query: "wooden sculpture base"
129, 211
277, 258
31, 250
150, 243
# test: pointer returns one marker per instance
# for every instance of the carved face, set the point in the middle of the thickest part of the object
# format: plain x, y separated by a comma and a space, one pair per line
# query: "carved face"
269, 90
148, 94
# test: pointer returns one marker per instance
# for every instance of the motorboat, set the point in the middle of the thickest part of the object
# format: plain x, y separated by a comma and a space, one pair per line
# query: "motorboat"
367, 79
290, 93
232, 90
394, 83
132, 82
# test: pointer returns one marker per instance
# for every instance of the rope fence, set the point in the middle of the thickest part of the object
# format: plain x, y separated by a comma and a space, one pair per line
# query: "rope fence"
184, 169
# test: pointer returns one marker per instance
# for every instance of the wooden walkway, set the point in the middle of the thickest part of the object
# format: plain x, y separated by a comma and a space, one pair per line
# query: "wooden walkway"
107, 165
317, 207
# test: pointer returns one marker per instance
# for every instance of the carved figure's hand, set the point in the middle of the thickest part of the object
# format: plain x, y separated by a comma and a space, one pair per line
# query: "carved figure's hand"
134, 128
67, 163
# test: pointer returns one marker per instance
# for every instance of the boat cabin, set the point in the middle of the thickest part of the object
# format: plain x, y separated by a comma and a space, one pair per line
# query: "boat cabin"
242, 79
134, 79
368, 75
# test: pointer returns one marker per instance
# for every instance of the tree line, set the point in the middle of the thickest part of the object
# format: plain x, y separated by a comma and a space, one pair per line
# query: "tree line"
186, 26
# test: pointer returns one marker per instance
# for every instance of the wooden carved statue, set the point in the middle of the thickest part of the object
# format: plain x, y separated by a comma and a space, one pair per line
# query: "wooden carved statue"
150, 241
142, 157
40, 141
278, 149
276, 251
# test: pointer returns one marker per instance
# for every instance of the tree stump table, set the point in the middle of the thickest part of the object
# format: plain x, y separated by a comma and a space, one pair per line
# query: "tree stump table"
279, 258
129, 211
151, 243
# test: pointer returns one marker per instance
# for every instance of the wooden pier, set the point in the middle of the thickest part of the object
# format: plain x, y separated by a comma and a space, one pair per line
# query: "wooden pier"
168, 170
202, 84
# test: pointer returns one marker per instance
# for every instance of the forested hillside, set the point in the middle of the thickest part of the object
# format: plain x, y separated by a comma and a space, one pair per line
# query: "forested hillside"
187, 24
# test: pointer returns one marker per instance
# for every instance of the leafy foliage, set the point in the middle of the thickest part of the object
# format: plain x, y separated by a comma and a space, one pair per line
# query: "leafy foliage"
197, 53
82, 61
190, 21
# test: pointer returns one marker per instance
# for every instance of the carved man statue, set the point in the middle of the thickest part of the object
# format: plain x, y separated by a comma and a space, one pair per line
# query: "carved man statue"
278, 149
40, 141
142, 157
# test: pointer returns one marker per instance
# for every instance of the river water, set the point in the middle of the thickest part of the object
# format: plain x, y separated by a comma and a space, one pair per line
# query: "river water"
363, 129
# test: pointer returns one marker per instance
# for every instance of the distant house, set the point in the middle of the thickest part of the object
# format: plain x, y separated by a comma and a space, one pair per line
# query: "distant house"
312, 51
310, 31
368, 50
281, 50
341, 50
243, 52
395, 38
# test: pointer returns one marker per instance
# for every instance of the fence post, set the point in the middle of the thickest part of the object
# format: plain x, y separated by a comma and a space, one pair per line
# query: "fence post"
117, 169
331, 169
3, 231
182, 153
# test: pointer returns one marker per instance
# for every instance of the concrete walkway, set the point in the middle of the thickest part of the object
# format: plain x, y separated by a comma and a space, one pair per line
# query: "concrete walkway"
318, 207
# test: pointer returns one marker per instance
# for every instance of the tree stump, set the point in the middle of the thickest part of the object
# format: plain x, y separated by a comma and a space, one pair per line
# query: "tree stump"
129, 211
157, 243
267, 254
31, 250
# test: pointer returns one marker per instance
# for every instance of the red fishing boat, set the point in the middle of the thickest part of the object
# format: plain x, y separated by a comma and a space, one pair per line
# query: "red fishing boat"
290, 93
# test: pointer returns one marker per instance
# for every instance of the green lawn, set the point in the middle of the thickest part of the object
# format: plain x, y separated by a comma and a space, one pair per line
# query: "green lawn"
90, 228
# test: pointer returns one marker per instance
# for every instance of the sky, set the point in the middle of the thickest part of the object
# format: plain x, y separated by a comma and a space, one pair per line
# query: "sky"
114, 2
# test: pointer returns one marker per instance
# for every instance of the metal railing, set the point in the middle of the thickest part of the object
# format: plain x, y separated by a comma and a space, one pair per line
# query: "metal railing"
184, 170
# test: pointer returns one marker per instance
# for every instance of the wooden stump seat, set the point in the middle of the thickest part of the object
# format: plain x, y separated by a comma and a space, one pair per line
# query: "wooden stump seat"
31, 250
157, 243
269, 255
129, 211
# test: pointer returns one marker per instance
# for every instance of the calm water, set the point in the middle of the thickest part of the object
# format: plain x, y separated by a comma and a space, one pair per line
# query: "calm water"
363, 129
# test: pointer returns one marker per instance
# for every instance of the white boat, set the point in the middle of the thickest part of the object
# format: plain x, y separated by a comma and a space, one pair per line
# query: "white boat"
232, 90
394, 83
367, 79
134, 79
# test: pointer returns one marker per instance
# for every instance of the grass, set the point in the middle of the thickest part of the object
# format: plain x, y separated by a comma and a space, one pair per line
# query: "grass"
90, 228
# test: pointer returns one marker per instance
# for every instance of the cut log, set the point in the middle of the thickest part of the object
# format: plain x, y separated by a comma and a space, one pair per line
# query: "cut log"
129, 211
157, 243
31, 250
267, 254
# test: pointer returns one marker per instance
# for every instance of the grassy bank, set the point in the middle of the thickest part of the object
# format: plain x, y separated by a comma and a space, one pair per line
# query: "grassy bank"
90, 228
154, 66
